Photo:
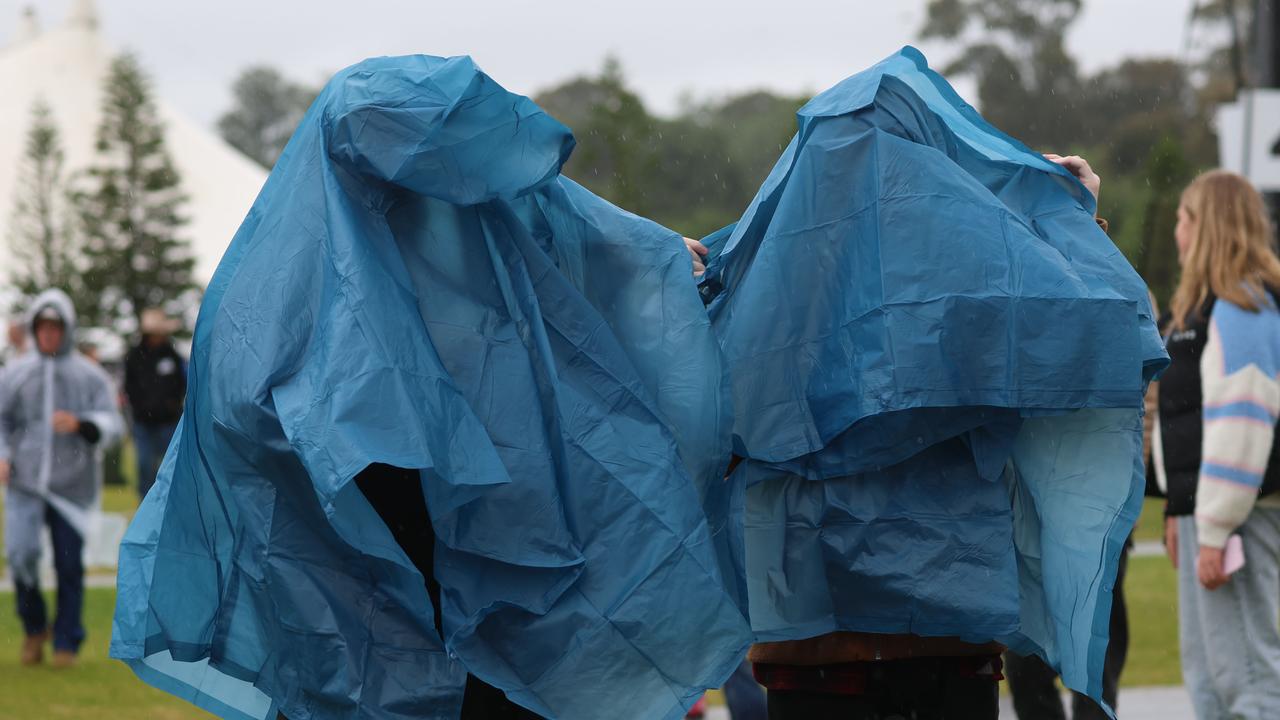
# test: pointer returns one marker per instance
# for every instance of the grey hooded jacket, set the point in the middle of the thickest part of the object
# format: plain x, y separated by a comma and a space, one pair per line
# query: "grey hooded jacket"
44, 463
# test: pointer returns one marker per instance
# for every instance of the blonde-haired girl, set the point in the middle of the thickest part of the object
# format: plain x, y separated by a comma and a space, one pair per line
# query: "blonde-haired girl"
1216, 454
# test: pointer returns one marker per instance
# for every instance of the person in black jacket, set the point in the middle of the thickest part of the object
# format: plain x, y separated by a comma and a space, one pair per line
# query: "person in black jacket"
155, 382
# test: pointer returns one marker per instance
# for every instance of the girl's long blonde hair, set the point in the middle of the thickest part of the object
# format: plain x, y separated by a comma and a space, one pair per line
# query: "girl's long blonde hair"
1232, 254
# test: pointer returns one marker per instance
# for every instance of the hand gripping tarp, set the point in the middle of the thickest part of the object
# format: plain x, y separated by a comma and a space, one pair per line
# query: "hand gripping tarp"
938, 361
417, 286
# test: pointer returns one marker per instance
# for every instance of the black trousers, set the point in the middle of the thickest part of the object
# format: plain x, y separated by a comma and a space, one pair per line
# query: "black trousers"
1035, 697
396, 494
916, 689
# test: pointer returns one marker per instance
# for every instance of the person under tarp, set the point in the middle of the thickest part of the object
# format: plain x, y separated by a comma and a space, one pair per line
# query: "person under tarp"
417, 296
938, 406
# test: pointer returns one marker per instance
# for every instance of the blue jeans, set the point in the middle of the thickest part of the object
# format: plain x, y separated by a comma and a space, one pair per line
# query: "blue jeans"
1230, 636
150, 441
68, 549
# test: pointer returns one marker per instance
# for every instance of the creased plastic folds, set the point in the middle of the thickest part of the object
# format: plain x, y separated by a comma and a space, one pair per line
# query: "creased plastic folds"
938, 362
417, 286
930, 356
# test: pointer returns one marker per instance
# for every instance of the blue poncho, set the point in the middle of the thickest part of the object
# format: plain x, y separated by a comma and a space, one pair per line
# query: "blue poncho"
938, 362
416, 286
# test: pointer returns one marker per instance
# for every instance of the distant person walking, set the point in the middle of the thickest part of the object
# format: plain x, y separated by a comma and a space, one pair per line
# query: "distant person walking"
56, 409
1216, 450
16, 346
155, 383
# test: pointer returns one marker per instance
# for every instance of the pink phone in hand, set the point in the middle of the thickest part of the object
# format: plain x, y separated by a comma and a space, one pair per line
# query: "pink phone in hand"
1233, 555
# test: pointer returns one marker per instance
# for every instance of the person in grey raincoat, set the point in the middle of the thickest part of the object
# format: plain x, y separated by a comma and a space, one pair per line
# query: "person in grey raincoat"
57, 409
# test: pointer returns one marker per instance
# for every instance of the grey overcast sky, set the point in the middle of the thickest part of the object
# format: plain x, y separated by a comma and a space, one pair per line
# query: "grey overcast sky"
667, 47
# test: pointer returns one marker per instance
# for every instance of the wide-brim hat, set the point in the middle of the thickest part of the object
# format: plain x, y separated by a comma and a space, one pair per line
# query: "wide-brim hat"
155, 322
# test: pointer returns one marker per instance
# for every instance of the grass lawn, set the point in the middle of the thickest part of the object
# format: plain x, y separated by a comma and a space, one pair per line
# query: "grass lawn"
96, 688
1151, 592
1151, 521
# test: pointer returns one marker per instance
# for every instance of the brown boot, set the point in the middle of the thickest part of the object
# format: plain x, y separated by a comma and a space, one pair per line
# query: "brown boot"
63, 659
33, 649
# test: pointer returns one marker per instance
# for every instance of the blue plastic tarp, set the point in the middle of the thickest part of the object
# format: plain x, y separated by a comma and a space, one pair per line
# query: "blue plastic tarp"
938, 362
417, 286
929, 355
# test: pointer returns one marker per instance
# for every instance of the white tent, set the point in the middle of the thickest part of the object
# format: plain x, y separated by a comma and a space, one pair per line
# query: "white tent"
65, 67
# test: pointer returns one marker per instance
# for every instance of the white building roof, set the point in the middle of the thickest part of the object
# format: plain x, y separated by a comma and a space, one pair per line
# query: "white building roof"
65, 67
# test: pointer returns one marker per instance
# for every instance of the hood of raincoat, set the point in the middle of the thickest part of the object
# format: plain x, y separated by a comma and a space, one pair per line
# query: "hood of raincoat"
417, 286
58, 301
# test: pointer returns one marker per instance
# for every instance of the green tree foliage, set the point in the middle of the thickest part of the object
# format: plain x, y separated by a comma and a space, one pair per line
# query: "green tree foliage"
757, 127
694, 173
1143, 124
1223, 31
1142, 206
1133, 107
1015, 49
1169, 172
616, 150
41, 243
131, 211
268, 107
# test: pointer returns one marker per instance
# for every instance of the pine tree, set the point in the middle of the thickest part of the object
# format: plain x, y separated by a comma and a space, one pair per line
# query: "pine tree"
131, 211
268, 108
40, 240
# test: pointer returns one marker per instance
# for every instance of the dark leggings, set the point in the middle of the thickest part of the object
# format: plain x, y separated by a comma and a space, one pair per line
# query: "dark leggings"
396, 494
